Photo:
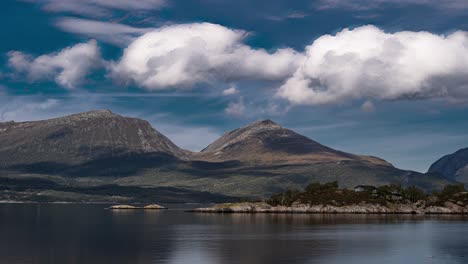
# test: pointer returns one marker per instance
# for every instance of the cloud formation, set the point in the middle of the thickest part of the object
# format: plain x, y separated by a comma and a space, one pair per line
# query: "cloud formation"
67, 68
114, 33
231, 91
236, 108
362, 5
369, 63
179, 56
98, 8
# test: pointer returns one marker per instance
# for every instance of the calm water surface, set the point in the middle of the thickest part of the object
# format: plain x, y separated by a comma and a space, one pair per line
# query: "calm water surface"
63, 233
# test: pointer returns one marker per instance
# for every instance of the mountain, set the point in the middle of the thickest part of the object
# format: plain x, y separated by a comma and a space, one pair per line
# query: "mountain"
267, 142
88, 141
97, 155
453, 166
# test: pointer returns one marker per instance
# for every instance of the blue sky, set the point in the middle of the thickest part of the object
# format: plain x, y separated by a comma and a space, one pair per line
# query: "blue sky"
384, 77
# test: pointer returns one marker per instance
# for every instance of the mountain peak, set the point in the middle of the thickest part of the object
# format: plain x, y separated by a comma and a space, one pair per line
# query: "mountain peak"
96, 113
453, 166
266, 140
267, 123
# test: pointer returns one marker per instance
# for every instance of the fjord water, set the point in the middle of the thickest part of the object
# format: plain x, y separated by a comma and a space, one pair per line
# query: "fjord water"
74, 233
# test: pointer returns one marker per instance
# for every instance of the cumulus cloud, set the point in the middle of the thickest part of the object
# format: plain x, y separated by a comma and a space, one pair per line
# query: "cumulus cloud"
98, 8
369, 63
67, 68
230, 91
374, 4
114, 33
187, 54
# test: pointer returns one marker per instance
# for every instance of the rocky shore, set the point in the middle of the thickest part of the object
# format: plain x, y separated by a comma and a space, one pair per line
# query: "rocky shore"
132, 207
419, 207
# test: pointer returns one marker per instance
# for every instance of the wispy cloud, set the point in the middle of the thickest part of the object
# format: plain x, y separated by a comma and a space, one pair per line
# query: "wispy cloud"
236, 108
114, 33
290, 15
363, 5
98, 8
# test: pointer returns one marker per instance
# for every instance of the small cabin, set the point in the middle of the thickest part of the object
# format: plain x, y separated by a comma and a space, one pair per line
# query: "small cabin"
365, 188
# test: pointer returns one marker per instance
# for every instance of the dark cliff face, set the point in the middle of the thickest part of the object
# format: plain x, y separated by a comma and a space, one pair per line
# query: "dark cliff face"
453, 166
80, 138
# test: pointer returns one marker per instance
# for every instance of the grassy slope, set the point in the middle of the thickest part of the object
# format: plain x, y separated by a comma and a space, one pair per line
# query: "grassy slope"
235, 180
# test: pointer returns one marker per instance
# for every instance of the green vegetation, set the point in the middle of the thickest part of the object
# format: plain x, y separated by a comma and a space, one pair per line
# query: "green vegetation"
451, 193
329, 193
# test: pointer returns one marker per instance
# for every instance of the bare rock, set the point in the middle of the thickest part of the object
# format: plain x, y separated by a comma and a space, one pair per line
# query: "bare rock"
154, 207
123, 207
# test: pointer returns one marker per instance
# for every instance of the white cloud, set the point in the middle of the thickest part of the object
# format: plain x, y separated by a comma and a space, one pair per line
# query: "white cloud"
236, 108
183, 55
114, 33
97, 8
374, 4
368, 63
67, 68
368, 106
230, 91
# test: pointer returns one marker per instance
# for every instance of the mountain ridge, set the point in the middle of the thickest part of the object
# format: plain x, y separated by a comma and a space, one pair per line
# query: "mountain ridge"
257, 160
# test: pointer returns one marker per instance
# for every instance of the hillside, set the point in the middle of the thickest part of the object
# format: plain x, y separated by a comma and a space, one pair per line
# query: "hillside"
453, 166
91, 143
100, 148
267, 142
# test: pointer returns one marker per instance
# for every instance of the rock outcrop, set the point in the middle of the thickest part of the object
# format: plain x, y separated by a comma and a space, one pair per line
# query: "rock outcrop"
363, 208
132, 207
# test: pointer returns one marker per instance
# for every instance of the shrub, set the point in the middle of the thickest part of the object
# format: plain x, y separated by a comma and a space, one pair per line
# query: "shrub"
413, 194
452, 189
285, 198
318, 187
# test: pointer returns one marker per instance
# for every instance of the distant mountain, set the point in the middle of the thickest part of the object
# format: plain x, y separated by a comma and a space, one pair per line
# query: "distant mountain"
92, 140
267, 142
82, 153
453, 166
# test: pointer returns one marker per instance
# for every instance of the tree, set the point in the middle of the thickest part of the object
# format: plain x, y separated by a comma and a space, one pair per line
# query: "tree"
413, 194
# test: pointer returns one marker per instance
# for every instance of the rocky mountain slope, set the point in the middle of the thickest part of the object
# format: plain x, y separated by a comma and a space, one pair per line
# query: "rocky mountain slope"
267, 142
92, 139
100, 148
453, 166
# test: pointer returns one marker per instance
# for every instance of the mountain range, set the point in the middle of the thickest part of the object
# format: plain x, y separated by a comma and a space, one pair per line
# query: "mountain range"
101, 156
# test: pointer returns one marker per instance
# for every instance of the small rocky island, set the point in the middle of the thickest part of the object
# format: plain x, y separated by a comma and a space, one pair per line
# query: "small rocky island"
329, 199
132, 207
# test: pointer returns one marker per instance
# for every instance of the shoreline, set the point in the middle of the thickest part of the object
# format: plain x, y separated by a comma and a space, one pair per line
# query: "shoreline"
394, 209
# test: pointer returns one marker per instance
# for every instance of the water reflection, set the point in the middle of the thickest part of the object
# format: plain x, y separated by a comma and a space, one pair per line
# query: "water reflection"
89, 234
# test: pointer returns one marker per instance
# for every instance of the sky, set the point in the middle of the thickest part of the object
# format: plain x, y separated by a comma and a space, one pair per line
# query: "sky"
387, 78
